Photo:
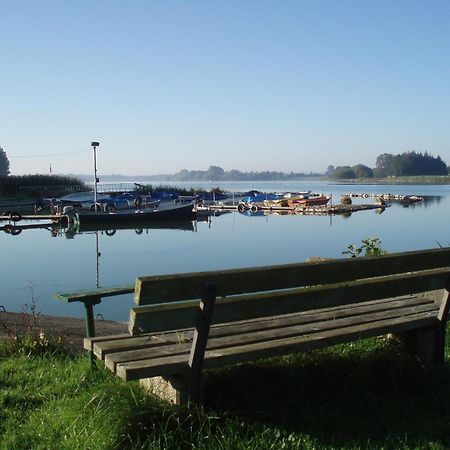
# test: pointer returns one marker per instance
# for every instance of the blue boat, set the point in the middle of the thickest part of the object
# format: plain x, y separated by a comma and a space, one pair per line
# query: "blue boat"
261, 196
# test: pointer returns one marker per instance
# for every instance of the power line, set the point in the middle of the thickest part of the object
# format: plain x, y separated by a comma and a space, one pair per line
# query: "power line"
51, 155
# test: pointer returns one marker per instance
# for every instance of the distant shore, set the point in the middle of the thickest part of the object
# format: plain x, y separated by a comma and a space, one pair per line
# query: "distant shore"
155, 180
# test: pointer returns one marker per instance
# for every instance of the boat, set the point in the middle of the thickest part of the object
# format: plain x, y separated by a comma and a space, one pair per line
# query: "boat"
106, 202
260, 197
318, 200
186, 211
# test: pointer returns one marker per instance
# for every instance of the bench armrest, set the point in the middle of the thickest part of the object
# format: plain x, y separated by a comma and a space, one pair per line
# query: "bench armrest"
90, 298
89, 295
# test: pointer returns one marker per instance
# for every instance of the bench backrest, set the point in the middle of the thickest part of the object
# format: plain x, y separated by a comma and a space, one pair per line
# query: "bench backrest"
171, 301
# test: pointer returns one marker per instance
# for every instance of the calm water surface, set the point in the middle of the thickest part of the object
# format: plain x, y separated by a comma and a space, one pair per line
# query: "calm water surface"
37, 263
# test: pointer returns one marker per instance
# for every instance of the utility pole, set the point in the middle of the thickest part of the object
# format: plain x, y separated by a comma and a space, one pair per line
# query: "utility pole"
96, 180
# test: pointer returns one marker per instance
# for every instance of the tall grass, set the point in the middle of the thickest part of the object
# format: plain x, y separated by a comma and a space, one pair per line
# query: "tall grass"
37, 185
367, 394
148, 189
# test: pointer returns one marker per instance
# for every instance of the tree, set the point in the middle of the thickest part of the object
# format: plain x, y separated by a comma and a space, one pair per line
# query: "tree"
383, 164
343, 173
215, 173
410, 164
4, 163
362, 171
330, 170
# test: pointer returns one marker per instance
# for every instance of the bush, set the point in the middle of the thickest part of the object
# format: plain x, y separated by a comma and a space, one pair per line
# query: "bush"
346, 200
344, 173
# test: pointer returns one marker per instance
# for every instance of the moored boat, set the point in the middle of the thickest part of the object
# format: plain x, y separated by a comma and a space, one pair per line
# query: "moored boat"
186, 211
319, 200
106, 202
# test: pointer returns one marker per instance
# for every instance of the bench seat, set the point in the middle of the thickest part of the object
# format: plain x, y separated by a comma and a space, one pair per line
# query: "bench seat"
166, 353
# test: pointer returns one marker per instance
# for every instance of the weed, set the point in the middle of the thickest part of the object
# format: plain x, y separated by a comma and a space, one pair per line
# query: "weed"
371, 246
32, 340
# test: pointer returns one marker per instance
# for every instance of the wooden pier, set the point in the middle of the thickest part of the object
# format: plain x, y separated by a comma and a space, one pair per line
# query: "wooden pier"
306, 210
17, 217
15, 229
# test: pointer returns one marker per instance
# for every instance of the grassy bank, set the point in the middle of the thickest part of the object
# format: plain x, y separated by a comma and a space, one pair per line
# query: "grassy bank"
419, 180
364, 395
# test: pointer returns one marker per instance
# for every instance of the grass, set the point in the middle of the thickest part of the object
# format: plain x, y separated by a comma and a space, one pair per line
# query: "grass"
419, 179
363, 395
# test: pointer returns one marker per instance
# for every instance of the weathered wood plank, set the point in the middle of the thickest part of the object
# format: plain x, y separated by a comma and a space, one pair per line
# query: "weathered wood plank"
162, 317
104, 345
88, 342
167, 288
160, 352
241, 337
319, 315
129, 342
232, 355
102, 349
101, 292
317, 327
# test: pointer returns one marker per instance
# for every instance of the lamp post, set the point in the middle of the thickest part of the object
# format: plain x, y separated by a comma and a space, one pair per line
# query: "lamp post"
96, 180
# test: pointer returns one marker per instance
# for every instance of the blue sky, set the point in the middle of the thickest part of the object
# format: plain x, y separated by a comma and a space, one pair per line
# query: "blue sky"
248, 85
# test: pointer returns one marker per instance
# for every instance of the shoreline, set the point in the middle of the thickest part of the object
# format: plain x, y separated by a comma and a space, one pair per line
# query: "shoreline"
71, 330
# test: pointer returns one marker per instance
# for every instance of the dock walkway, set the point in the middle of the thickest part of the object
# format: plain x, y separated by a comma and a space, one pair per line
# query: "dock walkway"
306, 210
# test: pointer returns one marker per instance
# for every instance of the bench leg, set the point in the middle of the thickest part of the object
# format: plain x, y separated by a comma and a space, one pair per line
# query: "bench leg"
426, 344
90, 323
90, 329
199, 343
173, 389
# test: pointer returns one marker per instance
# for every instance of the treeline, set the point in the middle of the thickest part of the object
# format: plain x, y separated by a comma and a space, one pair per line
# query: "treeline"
37, 185
409, 164
388, 165
4, 163
215, 173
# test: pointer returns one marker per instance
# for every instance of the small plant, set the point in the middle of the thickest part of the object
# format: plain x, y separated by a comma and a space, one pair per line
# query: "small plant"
371, 246
30, 313
346, 200
32, 340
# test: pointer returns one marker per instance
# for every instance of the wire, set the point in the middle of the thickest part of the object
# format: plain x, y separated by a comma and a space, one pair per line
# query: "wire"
49, 155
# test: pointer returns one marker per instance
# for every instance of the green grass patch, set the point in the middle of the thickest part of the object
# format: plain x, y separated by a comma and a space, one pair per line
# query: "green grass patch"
363, 395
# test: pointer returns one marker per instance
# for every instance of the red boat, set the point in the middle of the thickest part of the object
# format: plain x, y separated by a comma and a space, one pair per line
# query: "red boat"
317, 200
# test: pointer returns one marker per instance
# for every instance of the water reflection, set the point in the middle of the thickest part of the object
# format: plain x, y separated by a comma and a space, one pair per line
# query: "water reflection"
111, 229
430, 200
426, 202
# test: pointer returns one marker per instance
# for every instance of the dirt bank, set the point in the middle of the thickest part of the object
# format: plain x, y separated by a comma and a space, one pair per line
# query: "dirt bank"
71, 330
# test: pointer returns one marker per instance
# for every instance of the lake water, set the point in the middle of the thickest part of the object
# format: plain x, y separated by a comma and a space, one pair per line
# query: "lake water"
37, 262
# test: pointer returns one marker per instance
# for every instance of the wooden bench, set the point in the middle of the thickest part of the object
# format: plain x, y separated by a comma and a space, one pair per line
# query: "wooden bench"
185, 323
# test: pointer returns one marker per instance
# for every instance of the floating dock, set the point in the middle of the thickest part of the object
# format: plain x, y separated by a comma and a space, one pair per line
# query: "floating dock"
17, 229
17, 217
389, 197
306, 210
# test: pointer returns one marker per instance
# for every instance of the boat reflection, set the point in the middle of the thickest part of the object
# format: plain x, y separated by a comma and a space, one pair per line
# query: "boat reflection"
111, 229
